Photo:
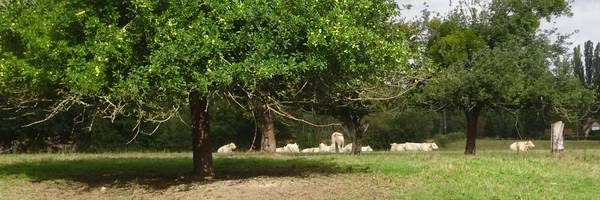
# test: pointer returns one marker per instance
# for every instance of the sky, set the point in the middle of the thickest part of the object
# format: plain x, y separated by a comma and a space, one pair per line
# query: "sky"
585, 19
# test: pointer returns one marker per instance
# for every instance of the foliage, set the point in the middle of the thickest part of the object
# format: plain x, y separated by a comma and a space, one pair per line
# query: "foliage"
578, 69
588, 54
483, 61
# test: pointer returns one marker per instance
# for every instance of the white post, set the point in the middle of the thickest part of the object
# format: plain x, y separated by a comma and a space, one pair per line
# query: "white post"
556, 137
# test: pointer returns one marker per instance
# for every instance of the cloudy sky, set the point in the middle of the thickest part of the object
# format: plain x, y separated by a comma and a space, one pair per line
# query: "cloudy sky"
585, 19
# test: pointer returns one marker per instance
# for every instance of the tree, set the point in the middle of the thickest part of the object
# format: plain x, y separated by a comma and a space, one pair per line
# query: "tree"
596, 66
578, 69
589, 63
150, 59
145, 59
359, 50
489, 56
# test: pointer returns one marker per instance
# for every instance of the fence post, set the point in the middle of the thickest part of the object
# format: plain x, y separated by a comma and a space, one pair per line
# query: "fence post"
556, 137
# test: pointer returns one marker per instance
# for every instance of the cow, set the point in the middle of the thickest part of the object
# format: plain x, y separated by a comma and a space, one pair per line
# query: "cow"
428, 146
311, 150
411, 146
228, 148
522, 145
348, 148
337, 142
289, 148
397, 147
431, 145
324, 148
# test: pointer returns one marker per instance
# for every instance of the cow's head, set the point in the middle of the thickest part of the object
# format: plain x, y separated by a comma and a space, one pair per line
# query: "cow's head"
530, 144
434, 146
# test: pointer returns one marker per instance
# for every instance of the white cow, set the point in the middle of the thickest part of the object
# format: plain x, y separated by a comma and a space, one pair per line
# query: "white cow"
348, 148
431, 145
289, 148
324, 148
411, 146
228, 148
522, 145
337, 142
367, 148
428, 146
311, 150
397, 147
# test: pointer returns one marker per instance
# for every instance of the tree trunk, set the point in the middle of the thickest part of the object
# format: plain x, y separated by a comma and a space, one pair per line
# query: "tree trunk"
579, 128
351, 125
445, 123
359, 133
356, 142
267, 143
472, 117
201, 146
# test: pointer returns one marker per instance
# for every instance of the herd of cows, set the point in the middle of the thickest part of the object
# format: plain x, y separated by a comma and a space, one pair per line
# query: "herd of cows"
337, 145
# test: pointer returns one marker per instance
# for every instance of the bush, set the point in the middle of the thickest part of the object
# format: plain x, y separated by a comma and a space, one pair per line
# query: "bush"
443, 139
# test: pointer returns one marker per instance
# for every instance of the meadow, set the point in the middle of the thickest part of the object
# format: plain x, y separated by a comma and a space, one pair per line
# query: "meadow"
494, 173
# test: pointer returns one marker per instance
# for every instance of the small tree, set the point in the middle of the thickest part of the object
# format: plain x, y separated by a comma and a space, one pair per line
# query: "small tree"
578, 65
360, 51
490, 56
589, 63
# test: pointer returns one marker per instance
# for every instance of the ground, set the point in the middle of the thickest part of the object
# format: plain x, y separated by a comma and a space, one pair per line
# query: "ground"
495, 173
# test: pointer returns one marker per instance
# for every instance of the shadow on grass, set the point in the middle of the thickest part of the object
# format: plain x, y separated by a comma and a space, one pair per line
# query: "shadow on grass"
160, 173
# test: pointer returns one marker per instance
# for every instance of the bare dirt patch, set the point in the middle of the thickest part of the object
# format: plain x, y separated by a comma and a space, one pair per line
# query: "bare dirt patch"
264, 188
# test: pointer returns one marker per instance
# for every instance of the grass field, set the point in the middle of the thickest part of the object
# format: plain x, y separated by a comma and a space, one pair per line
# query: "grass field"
495, 173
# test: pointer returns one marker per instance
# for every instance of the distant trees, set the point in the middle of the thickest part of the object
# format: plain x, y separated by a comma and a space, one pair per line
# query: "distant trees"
578, 68
589, 63
587, 71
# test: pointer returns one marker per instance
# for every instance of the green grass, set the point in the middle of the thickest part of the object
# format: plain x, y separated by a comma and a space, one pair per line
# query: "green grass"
495, 173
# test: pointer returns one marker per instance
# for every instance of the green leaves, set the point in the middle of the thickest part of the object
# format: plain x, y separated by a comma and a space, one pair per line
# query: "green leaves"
493, 58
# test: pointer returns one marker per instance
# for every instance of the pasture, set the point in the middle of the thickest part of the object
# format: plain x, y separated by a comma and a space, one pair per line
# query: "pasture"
495, 173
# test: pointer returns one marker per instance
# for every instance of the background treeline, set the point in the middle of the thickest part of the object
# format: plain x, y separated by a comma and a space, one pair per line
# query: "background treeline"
230, 124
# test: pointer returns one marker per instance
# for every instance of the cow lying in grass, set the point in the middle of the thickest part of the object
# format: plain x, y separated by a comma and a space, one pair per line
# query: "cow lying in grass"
289, 148
324, 148
348, 148
397, 147
228, 148
522, 145
311, 150
410, 146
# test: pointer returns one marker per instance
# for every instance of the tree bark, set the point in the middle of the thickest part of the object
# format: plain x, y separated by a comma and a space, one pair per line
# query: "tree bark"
358, 136
356, 142
472, 117
201, 146
268, 142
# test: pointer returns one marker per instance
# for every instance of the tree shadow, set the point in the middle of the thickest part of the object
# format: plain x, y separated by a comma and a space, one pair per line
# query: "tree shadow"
161, 173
